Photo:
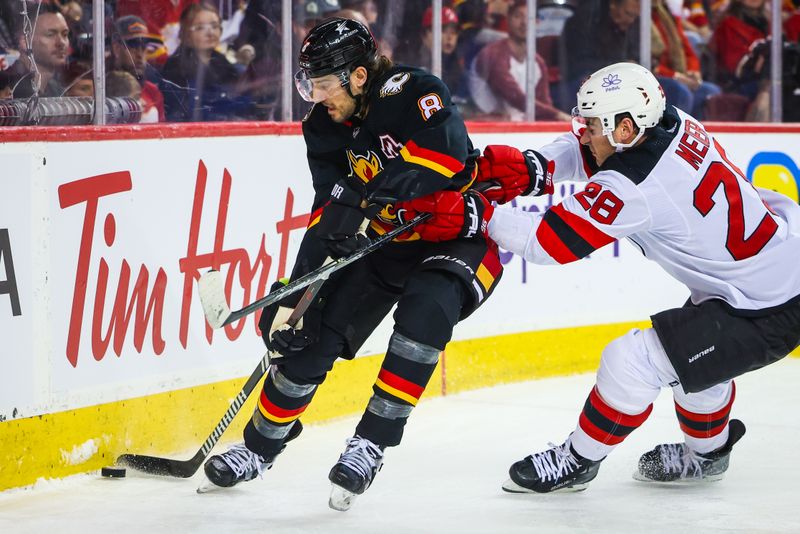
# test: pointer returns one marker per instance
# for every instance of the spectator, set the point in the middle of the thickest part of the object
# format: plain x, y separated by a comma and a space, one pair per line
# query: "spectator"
695, 23
121, 83
675, 64
601, 32
8, 25
743, 26
6, 83
743, 23
199, 82
129, 41
498, 74
366, 7
369, 9
161, 16
474, 34
452, 64
49, 50
79, 30
78, 79
792, 24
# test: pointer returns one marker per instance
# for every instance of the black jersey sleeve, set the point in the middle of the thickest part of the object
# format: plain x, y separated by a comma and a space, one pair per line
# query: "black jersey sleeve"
327, 162
436, 152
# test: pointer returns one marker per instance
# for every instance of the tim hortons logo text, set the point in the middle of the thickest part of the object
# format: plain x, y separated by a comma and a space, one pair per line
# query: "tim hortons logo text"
140, 306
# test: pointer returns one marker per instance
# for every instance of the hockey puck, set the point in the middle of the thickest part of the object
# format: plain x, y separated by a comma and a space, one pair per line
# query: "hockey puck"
113, 472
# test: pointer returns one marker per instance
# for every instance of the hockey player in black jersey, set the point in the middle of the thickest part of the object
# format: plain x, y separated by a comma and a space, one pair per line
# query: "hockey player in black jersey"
658, 178
377, 135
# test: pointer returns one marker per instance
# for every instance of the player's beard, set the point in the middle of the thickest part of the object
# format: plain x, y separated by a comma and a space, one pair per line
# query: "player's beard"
342, 111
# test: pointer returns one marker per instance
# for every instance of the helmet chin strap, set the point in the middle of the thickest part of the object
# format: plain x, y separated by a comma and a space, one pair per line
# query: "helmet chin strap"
619, 147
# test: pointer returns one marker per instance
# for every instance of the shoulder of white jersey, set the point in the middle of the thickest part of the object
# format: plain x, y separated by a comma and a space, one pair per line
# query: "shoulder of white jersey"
638, 162
403, 84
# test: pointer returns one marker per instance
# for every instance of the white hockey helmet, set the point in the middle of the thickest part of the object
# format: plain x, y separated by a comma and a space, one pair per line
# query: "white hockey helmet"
620, 88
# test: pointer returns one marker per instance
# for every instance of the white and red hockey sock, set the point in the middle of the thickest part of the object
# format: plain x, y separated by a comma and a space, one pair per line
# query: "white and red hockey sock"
602, 427
703, 417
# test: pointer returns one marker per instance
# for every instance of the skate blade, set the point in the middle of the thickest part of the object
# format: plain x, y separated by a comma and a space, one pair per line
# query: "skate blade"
512, 487
206, 486
680, 481
341, 499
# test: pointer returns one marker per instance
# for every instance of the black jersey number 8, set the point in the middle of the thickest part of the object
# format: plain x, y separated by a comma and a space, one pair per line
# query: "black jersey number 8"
739, 247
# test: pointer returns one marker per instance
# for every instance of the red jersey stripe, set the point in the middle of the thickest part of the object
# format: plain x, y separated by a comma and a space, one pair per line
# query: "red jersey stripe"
586, 230
449, 162
553, 245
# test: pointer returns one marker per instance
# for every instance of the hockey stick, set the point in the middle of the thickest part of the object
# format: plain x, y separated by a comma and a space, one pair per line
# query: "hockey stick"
186, 468
219, 314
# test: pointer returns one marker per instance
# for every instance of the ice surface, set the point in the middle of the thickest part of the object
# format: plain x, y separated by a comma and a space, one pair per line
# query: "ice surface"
446, 476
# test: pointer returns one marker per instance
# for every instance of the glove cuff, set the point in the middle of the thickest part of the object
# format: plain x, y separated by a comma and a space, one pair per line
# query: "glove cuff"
540, 170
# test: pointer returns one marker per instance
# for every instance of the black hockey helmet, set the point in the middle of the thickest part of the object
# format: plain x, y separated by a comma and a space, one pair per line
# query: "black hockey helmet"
336, 45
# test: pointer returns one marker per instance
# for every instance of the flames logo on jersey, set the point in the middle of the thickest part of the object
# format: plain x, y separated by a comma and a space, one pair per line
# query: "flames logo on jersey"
365, 167
394, 84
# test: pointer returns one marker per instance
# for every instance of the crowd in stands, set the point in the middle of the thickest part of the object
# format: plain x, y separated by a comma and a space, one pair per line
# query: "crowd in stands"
213, 60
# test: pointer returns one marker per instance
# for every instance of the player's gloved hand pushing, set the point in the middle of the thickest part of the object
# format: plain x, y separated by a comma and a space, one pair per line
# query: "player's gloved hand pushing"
504, 173
454, 215
281, 338
342, 218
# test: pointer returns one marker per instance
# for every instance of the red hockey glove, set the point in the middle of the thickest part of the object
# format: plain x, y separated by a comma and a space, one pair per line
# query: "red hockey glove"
504, 173
454, 215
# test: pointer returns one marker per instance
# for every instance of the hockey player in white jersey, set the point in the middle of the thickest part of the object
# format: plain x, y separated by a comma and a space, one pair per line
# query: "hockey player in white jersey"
658, 178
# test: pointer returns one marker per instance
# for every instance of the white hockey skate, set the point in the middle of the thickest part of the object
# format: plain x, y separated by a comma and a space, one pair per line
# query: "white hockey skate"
354, 472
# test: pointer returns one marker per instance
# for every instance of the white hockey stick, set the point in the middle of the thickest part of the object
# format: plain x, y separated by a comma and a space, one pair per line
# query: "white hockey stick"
212, 292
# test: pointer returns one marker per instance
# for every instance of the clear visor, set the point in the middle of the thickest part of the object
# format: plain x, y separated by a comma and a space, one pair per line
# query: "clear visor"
319, 89
578, 122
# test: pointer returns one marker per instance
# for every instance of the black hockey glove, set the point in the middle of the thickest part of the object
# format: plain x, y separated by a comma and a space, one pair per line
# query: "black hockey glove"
341, 220
281, 338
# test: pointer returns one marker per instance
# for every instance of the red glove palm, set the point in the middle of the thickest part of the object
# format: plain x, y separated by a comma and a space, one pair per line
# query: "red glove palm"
455, 215
505, 173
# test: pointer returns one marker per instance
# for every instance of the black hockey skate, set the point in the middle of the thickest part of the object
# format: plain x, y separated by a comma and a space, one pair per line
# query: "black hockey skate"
559, 468
239, 464
675, 462
354, 472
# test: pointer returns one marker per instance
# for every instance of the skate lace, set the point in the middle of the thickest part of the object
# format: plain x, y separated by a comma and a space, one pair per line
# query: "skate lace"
242, 460
362, 456
555, 462
677, 457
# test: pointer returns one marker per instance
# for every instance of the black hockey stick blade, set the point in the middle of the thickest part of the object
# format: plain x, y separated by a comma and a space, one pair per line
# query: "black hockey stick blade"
211, 285
186, 468
154, 465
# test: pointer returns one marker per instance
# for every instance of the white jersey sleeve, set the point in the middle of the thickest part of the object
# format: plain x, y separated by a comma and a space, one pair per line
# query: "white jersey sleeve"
571, 162
609, 208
